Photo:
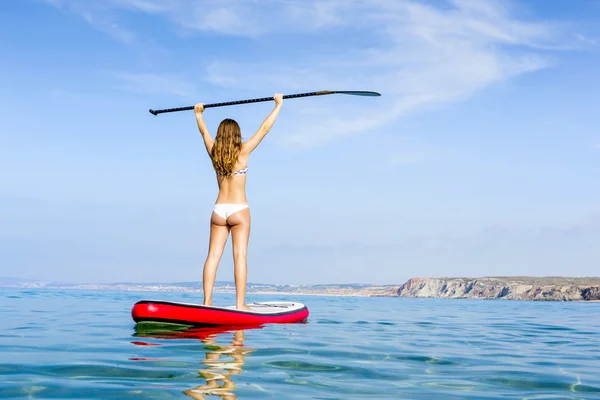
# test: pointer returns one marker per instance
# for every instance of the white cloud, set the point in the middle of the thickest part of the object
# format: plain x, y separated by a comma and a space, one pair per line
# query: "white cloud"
418, 55
148, 6
98, 15
151, 83
256, 18
588, 41
109, 26
230, 17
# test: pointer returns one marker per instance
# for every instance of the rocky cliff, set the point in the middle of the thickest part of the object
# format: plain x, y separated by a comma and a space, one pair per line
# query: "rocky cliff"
514, 288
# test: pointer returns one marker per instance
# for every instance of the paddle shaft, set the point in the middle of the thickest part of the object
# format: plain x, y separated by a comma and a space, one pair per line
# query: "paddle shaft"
287, 96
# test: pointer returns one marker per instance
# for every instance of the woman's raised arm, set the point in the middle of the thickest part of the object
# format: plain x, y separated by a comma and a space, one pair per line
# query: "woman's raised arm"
265, 127
208, 140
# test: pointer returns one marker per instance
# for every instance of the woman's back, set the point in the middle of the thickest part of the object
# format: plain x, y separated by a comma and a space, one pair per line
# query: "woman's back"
232, 188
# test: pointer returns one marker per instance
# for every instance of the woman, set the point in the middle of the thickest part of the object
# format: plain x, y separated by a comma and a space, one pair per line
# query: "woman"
231, 213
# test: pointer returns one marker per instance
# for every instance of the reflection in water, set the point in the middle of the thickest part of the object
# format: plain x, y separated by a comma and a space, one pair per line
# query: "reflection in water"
219, 371
221, 361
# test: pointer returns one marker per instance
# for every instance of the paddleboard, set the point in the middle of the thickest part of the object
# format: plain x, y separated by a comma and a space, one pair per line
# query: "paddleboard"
167, 312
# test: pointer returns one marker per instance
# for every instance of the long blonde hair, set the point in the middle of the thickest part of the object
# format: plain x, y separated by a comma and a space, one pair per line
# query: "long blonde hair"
227, 146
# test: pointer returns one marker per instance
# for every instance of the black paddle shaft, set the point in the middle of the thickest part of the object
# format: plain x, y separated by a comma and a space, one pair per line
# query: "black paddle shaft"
287, 96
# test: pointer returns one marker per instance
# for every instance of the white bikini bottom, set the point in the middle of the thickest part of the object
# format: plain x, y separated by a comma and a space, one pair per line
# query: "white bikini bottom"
225, 210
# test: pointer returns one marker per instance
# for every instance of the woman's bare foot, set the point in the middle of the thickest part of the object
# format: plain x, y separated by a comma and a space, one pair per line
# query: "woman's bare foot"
243, 307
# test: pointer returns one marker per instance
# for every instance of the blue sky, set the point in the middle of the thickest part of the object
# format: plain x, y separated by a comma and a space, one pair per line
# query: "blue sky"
481, 157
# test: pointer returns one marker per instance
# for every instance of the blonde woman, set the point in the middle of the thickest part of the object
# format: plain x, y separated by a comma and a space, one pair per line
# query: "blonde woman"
231, 213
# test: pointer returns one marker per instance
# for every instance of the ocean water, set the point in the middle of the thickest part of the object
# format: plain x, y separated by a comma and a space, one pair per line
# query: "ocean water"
70, 344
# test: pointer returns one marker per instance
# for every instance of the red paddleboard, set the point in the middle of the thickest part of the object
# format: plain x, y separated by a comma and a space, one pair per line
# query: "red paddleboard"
268, 312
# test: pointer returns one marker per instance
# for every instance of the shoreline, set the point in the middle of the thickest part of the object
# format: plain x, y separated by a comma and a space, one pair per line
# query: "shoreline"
294, 294
585, 289
183, 290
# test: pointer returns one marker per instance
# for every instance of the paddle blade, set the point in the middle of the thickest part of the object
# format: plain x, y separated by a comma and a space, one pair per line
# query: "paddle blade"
360, 93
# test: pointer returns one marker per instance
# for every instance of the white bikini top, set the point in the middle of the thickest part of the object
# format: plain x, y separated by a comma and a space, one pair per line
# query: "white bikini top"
238, 172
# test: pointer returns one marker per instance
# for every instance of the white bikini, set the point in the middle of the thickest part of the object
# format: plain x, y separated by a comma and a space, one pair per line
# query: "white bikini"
225, 210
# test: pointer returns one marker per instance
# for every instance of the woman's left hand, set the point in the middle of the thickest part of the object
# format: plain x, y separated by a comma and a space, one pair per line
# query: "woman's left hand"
199, 108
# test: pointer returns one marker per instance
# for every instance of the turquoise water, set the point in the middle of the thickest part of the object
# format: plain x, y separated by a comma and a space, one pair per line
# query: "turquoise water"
69, 344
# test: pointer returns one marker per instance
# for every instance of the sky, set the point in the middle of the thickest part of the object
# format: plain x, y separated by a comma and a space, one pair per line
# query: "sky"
481, 157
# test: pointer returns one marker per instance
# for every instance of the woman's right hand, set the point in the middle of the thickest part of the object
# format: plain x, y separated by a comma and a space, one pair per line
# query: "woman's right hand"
278, 99
199, 108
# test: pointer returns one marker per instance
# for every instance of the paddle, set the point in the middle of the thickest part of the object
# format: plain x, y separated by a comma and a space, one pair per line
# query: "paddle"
287, 96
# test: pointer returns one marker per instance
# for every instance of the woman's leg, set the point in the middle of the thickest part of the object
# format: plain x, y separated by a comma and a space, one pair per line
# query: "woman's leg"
240, 234
219, 231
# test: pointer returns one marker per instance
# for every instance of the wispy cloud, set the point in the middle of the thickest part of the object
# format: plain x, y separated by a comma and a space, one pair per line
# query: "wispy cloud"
245, 17
258, 74
417, 54
99, 15
154, 84
110, 26
148, 6
586, 40
229, 17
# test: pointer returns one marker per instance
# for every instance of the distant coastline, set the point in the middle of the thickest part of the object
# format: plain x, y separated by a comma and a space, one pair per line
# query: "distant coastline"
551, 288
509, 288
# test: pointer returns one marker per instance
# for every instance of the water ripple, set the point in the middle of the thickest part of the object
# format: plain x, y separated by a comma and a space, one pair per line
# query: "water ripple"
78, 344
